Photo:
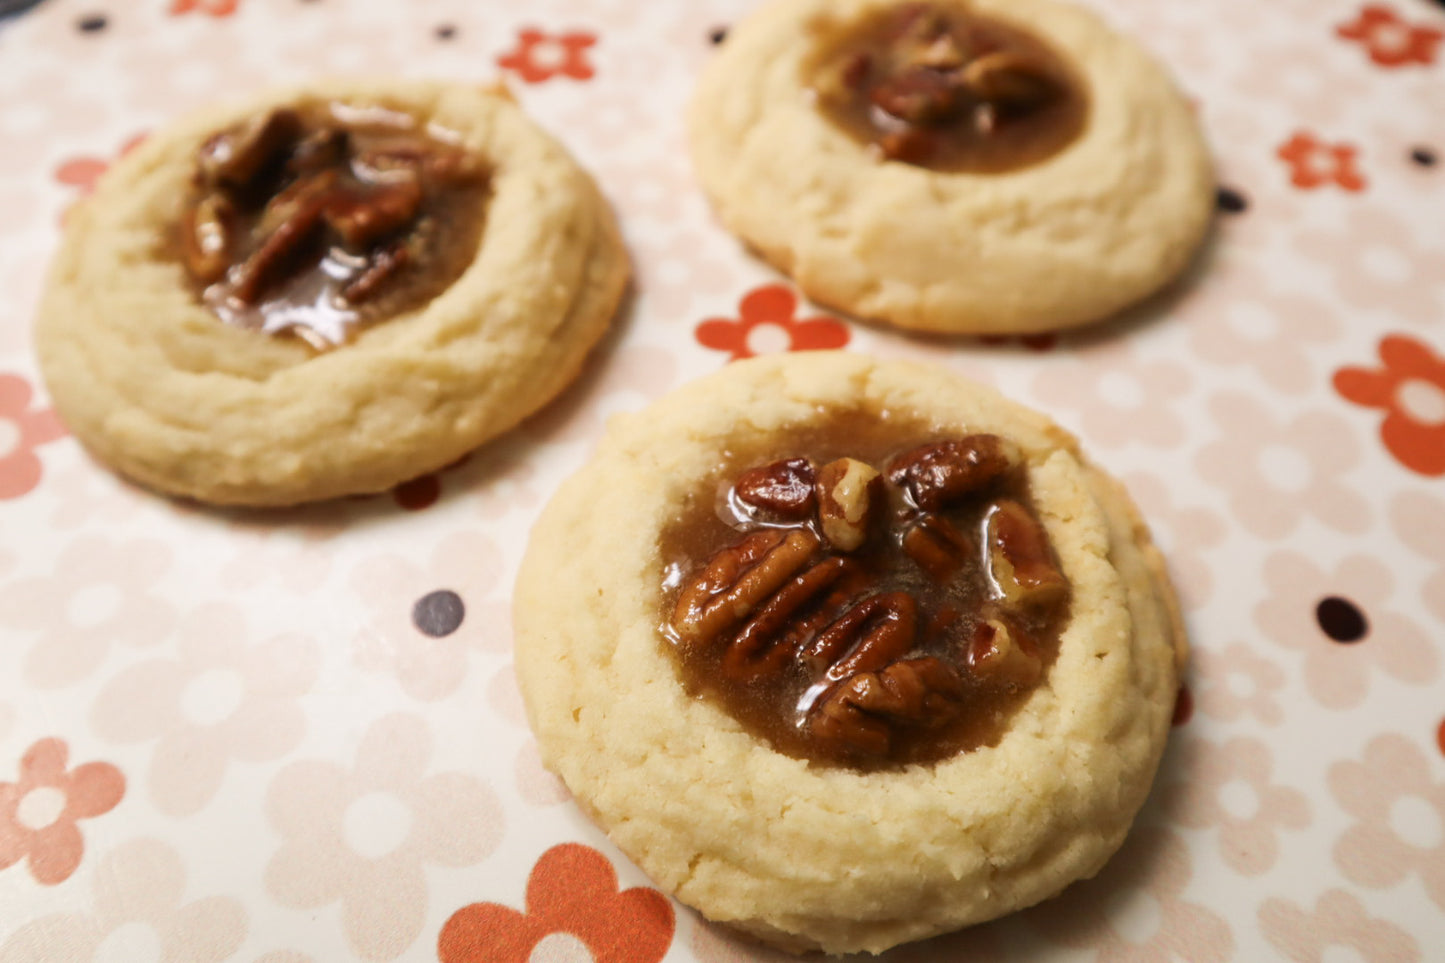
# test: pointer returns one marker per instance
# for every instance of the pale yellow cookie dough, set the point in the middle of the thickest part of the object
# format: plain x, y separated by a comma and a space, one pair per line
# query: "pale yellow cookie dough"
816, 857
160, 389
1073, 239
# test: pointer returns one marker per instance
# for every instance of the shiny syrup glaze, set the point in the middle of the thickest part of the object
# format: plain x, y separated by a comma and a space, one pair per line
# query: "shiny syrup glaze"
310, 299
858, 61
775, 707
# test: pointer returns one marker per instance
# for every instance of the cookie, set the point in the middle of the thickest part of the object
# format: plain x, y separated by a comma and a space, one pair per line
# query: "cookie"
325, 291
956, 166
846, 652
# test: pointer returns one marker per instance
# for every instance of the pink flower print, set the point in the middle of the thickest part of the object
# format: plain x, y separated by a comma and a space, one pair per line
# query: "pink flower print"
100, 593
1185, 533
426, 621
1118, 396
1398, 807
1314, 163
1389, 39
1419, 521
572, 898
540, 56
1134, 910
1278, 471
365, 836
223, 699
1342, 625
537, 785
767, 326
136, 899
22, 430
40, 811
82, 173
1237, 683
1229, 788
1411, 391
1244, 321
1339, 919
1378, 262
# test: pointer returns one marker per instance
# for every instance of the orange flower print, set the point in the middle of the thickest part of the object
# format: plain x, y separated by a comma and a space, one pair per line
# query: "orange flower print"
541, 56
1314, 163
22, 430
572, 898
40, 810
1411, 391
216, 8
767, 326
1390, 41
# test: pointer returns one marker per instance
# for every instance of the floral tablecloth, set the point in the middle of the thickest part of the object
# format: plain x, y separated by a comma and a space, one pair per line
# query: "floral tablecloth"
297, 736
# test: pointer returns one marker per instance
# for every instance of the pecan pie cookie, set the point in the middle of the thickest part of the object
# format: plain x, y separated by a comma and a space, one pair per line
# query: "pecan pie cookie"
326, 291
959, 166
845, 652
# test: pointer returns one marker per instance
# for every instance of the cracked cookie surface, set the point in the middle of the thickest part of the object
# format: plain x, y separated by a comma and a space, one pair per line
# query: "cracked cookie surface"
807, 854
149, 379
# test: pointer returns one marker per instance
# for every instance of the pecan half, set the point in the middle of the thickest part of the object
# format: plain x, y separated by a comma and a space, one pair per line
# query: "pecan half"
238, 158
791, 617
847, 490
1001, 654
871, 634
281, 249
361, 217
1011, 80
784, 489
938, 474
384, 266
937, 545
737, 581
206, 238
1021, 565
859, 715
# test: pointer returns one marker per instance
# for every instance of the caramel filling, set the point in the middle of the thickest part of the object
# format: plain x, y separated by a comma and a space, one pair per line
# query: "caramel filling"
935, 85
319, 219
865, 604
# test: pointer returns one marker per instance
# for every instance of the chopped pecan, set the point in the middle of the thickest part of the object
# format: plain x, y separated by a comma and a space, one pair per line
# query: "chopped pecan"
1002, 654
784, 489
361, 217
239, 157
1021, 565
737, 581
868, 636
847, 490
206, 238
937, 545
319, 150
384, 265
447, 164
920, 95
1011, 80
938, 474
943, 53
791, 617
859, 715
910, 144
279, 252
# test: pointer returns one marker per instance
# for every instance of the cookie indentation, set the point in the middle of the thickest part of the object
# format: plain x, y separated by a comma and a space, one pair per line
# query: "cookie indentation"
882, 607
317, 219
936, 85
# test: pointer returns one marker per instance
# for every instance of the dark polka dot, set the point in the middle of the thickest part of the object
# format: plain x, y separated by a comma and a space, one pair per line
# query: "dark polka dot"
718, 35
1424, 156
438, 613
1183, 706
1341, 619
92, 23
446, 32
1230, 201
